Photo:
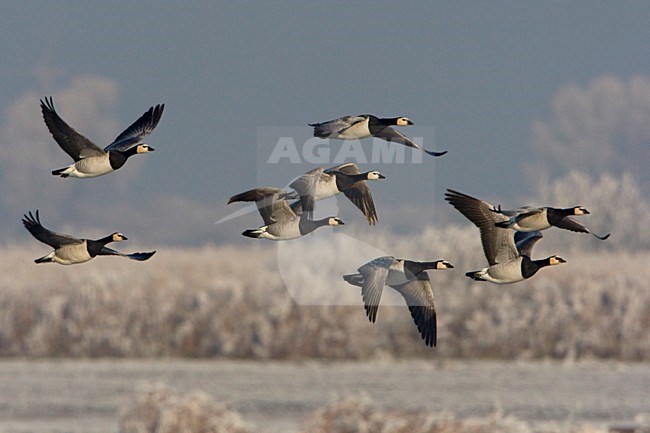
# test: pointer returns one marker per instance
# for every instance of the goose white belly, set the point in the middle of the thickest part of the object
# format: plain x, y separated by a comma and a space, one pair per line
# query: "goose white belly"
283, 231
504, 273
90, 167
532, 223
357, 131
71, 254
525, 228
396, 275
326, 188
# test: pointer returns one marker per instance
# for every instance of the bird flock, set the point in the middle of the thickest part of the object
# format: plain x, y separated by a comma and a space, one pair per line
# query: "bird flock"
89, 161
507, 236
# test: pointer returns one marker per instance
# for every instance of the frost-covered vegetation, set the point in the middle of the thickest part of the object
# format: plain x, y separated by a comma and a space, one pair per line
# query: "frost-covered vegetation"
359, 414
287, 300
258, 302
159, 410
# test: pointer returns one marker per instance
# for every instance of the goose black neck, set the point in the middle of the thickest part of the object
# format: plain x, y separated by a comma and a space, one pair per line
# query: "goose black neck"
388, 121
117, 158
127, 153
416, 268
105, 240
530, 267
554, 212
358, 177
95, 246
306, 225
344, 180
555, 215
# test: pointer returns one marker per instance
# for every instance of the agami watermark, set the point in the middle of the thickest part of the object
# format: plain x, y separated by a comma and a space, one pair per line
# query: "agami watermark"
322, 152
286, 145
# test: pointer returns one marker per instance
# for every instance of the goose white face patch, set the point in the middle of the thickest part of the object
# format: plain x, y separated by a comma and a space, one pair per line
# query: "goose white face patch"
557, 260
404, 121
335, 222
143, 148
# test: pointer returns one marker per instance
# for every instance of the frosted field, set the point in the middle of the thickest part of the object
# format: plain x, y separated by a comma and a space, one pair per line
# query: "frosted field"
234, 302
568, 350
91, 396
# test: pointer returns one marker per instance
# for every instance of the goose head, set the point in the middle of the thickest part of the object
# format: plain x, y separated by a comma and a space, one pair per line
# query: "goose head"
580, 210
403, 121
443, 264
144, 148
334, 221
555, 260
118, 237
374, 175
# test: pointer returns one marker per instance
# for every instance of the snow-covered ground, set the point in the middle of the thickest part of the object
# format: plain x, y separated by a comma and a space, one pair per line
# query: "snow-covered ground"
91, 396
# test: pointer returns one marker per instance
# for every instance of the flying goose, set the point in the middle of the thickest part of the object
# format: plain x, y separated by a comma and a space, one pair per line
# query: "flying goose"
366, 125
90, 160
69, 250
407, 277
531, 219
320, 183
281, 222
508, 262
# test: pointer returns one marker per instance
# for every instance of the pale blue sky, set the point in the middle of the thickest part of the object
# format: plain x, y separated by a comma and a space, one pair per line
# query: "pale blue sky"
478, 74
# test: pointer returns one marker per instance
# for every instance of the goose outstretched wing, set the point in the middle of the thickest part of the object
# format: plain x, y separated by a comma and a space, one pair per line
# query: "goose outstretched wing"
55, 240
374, 275
141, 257
138, 130
393, 136
336, 126
419, 298
498, 243
73, 143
